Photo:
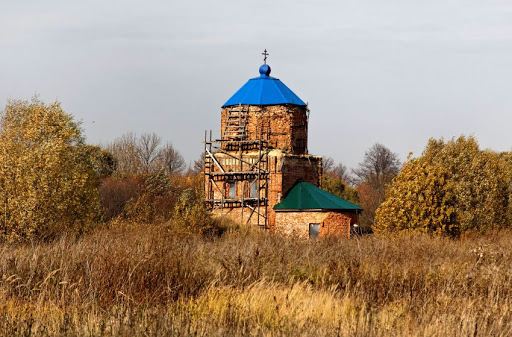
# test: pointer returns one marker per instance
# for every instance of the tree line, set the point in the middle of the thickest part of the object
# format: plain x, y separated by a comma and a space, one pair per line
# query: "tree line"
52, 181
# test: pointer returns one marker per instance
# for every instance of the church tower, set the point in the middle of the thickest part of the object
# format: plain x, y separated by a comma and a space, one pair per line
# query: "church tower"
262, 151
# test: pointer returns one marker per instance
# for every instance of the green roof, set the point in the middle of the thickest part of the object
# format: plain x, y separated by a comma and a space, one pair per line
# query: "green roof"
304, 195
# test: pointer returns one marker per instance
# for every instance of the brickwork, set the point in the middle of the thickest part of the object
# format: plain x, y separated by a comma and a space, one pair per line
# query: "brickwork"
307, 168
297, 223
335, 224
287, 126
284, 171
245, 216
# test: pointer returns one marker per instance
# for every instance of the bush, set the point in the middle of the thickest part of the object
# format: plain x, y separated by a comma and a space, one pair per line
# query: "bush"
452, 188
156, 201
47, 177
115, 194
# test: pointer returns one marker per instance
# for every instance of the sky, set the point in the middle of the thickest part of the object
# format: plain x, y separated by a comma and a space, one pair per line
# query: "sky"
396, 72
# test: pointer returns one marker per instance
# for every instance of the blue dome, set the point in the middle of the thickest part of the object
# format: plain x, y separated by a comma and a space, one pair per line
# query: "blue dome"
264, 90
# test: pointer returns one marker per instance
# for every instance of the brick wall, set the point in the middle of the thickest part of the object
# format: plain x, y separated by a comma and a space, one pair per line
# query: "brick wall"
286, 124
297, 223
307, 168
336, 224
245, 216
288, 162
285, 170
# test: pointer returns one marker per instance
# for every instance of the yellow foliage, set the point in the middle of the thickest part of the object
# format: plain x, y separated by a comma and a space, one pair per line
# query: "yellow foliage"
453, 187
47, 178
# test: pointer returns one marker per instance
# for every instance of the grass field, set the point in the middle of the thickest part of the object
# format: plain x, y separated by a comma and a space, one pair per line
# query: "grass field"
150, 281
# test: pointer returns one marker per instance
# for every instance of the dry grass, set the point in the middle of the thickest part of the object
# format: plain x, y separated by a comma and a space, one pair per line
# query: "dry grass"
150, 281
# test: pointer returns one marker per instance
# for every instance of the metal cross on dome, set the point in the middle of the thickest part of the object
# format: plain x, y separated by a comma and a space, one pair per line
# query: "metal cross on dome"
265, 54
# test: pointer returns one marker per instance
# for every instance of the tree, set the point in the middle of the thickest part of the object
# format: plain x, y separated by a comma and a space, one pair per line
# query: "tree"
127, 156
103, 161
172, 160
148, 144
335, 180
373, 176
335, 170
339, 187
341, 172
198, 165
378, 167
144, 155
327, 164
47, 177
452, 188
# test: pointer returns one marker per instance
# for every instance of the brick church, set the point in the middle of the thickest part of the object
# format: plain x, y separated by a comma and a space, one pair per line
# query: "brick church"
260, 172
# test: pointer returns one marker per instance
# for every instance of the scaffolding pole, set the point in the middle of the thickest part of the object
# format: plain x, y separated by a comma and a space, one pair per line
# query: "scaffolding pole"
237, 159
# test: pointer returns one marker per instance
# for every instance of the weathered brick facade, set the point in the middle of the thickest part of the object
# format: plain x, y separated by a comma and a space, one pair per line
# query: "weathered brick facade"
331, 223
286, 126
284, 171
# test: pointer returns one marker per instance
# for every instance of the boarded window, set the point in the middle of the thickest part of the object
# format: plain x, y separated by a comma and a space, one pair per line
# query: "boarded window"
314, 230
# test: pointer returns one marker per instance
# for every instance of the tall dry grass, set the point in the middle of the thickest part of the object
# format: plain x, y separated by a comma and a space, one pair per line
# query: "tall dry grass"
150, 281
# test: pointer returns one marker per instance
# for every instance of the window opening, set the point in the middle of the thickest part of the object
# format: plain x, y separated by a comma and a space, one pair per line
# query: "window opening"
314, 230
232, 189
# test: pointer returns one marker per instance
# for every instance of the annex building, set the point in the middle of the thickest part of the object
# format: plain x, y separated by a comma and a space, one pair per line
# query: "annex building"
260, 172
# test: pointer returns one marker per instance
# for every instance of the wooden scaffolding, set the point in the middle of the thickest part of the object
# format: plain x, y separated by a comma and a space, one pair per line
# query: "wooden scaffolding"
236, 172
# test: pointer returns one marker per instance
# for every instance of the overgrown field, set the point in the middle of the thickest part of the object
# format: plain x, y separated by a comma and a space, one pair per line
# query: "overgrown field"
150, 281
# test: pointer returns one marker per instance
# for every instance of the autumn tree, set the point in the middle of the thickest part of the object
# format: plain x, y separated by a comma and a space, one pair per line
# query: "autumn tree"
372, 176
335, 180
104, 163
452, 188
149, 153
171, 160
127, 155
145, 154
198, 165
48, 181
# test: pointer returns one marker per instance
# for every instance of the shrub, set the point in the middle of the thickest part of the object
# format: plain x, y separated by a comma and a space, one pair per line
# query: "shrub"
116, 193
452, 188
47, 177
156, 201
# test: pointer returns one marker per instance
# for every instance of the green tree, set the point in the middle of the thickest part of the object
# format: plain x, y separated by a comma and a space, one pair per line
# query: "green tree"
452, 188
48, 181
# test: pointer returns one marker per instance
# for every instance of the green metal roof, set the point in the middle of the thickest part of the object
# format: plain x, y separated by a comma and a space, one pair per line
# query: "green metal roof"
307, 196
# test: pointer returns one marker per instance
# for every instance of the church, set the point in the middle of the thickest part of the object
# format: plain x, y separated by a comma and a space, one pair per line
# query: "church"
260, 172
